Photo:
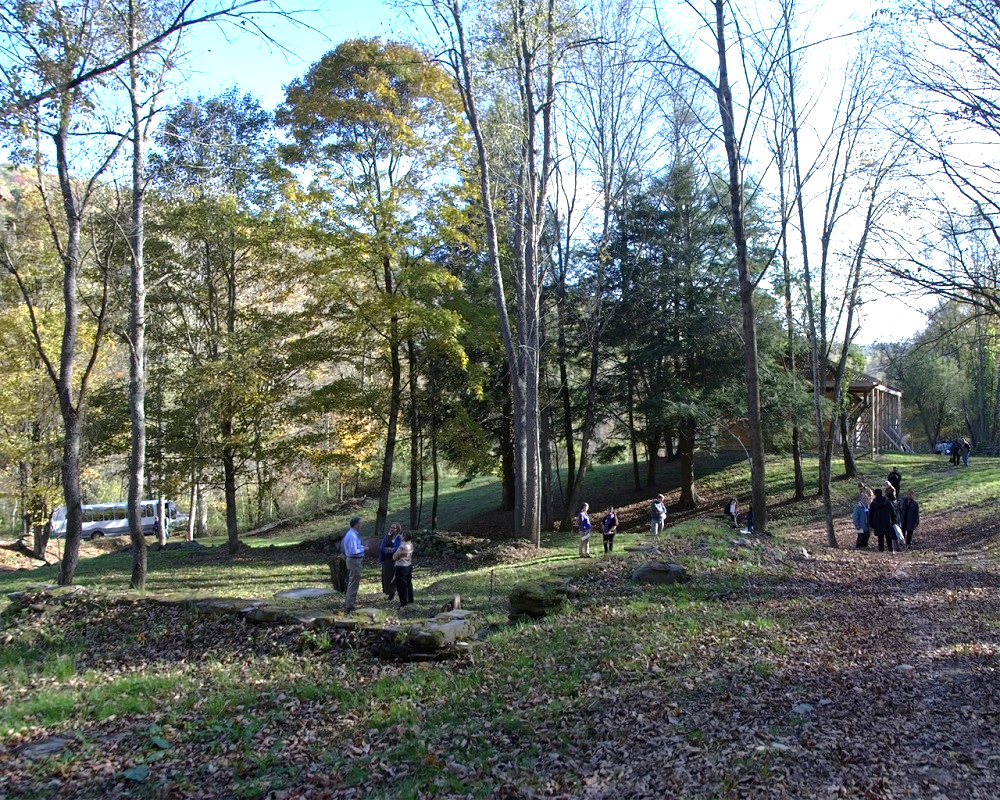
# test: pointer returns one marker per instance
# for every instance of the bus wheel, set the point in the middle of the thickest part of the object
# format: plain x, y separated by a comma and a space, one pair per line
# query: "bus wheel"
96, 534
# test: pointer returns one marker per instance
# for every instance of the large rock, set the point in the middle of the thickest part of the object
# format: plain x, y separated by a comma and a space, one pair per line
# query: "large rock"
657, 572
338, 572
537, 599
442, 631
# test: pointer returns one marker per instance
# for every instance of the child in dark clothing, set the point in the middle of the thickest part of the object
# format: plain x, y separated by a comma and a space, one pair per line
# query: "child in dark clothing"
609, 525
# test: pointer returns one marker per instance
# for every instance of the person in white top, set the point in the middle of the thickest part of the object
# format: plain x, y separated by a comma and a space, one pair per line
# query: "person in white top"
354, 551
403, 559
657, 515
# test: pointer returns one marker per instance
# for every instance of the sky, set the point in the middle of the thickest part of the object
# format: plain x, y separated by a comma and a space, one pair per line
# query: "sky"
223, 56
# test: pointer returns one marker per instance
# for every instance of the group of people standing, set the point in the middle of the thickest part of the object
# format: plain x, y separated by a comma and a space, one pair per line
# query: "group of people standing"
609, 527
893, 520
395, 554
959, 450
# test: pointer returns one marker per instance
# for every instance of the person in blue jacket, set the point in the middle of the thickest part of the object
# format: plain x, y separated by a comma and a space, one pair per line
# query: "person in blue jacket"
861, 524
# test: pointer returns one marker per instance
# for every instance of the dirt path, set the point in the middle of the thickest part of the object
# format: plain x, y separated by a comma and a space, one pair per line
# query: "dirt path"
882, 683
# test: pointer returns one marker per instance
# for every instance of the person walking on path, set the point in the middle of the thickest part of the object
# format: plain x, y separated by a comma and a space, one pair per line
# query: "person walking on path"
658, 515
881, 518
609, 525
389, 544
909, 516
966, 447
583, 522
354, 551
403, 559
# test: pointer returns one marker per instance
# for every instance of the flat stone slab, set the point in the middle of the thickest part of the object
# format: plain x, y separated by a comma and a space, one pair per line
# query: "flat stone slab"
443, 630
354, 621
304, 594
313, 617
44, 748
223, 605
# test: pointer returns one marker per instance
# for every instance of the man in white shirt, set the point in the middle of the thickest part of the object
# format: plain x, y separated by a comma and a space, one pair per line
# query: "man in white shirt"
354, 551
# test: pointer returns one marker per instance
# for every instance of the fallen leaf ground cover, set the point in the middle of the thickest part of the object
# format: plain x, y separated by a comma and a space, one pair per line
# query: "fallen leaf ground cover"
785, 669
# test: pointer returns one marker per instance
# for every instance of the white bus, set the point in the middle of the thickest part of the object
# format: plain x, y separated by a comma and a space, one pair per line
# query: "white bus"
110, 519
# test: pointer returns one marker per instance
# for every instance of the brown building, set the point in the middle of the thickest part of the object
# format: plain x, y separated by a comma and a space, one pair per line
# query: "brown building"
875, 417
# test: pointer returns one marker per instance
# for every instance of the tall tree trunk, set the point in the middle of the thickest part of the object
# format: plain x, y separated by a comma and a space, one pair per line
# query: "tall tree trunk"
201, 529
395, 403
850, 468
71, 494
64, 384
161, 513
229, 480
652, 454
633, 436
568, 433
746, 286
800, 478
437, 480
535, 167
193, 508
411, 350
507, 476
137, 320
548, 501
686, 436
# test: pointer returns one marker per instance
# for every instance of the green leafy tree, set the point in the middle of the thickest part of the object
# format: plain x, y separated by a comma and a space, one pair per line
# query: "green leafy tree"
61, 133
30, 425
376, 125
677, 320
225, 264
931, 384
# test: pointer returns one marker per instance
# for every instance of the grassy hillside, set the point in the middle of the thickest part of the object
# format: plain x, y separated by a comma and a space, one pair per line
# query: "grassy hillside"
772, 673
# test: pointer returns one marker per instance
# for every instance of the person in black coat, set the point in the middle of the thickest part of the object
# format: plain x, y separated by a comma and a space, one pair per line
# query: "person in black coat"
896, 479
881, 518
909, 516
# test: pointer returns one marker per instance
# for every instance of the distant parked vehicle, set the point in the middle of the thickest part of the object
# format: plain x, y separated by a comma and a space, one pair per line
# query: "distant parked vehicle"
110, 519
